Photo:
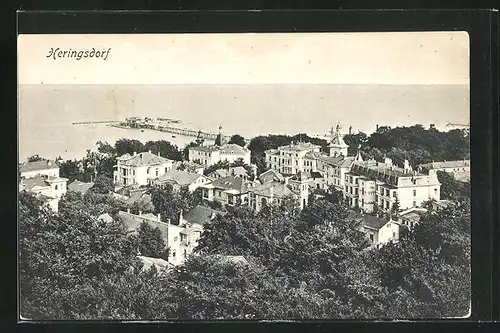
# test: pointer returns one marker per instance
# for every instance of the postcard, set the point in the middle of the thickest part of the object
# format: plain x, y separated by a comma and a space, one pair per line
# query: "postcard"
244, 176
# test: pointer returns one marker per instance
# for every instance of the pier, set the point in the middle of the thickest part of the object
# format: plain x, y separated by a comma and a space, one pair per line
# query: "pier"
95, 122
174, 130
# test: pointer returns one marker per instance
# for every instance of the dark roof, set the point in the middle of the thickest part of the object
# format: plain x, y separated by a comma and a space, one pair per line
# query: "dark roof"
133, 222
40, 181
138, 196
202, 214
371, 222
80, 187
229, 183
37, 166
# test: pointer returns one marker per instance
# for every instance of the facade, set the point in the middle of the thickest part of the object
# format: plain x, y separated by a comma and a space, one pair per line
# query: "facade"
140, 168
41, 178
228, 191
210, 155
49, 189
180, 179
333, 169
460, 170
290, 159
372, 183
180, 239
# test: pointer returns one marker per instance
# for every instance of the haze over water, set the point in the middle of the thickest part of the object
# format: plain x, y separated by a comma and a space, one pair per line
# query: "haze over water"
46, 112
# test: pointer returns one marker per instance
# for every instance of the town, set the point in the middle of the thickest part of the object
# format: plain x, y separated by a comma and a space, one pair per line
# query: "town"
385, 197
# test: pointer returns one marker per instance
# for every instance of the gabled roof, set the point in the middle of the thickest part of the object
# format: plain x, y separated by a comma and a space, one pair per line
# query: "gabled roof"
142, 159
80, 187
271, 175
201, 215
229, 183
160, 264
371, 222
301, 146
278, 190
233, 148
37, 166
180, 177
41, 181
238, 171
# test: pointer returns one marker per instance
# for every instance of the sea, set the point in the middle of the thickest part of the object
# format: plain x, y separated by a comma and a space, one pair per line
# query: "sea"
46, 112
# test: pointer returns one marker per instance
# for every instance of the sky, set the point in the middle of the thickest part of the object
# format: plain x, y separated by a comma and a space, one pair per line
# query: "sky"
399, 58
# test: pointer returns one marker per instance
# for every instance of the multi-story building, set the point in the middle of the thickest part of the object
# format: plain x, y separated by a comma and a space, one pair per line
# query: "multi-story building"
458, 169
41, 178
290, 159
140, 168
179, 239
210, 155
372, 183
333, 169
227, 190
273, 191
179, 179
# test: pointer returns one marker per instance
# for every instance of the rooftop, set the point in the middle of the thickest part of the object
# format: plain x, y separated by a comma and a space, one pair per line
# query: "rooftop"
229, 183
80, 187
201, 215
301, 146
37, 166
235, 149
391, 174
278, 190
142, 159
371, 222
40, 181
180, 177
271, 175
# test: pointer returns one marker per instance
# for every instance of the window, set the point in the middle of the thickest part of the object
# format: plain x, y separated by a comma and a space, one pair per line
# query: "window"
371, 237
414, 204
176, 238
185, 253
156, 172
394, 194
414, 193
56, 187
173, 253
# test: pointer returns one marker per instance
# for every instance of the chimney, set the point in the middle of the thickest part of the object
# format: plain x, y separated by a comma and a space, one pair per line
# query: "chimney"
140, 213
128, 210
159, 154
271, 192
350, 130
149, 151
387, 161
159, 217
49, 163
135, 153
180, 217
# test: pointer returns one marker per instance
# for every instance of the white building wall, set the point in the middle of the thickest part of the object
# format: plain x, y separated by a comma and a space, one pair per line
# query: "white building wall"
48, 172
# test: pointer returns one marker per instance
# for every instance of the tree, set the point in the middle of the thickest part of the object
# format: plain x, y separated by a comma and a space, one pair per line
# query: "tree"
238, 139
150, 242
451, 188
395, 209
127, 146
60, 253
103, 185
72, 170
35, 158
164, 148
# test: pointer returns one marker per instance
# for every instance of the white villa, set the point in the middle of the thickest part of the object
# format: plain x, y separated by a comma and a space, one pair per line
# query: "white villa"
139, 169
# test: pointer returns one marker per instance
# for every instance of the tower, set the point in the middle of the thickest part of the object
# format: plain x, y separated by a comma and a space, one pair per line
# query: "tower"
219, 140
300, 185
337, 146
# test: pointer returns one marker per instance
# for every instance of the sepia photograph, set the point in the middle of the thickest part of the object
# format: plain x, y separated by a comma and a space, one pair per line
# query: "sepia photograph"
244, 176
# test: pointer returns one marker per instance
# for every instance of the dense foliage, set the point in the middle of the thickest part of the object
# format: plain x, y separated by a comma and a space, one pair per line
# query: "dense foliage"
296, 264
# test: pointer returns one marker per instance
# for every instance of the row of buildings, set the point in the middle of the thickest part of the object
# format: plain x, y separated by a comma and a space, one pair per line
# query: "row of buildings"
293, 171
